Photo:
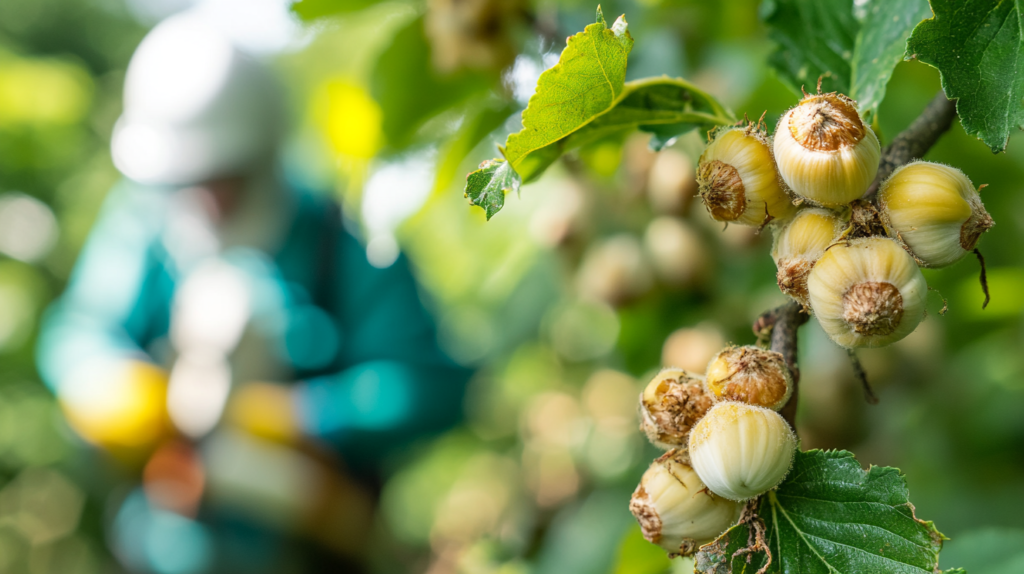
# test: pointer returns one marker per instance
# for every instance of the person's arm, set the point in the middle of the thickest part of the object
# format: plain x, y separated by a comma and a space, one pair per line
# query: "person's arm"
89, 351
398, 384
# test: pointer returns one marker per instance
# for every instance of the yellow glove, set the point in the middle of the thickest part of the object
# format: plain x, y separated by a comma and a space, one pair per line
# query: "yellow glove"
118, 405
265, 410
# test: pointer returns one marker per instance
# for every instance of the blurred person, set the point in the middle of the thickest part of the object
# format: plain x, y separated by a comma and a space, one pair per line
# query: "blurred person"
223, 336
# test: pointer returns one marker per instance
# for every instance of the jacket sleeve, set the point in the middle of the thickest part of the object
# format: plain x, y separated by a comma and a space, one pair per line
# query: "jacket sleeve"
397, 384
103, 313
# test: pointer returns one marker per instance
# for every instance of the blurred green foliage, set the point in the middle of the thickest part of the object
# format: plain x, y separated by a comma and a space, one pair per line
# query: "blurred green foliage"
538, 478
987, 550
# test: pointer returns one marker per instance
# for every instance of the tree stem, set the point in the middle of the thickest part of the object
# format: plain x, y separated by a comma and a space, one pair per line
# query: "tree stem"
913, 142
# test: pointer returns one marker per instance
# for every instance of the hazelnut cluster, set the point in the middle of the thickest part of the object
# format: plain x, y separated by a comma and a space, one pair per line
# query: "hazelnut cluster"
726, 444
853, 264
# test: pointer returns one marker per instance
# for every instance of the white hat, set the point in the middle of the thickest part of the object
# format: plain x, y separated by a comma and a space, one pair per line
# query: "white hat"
195, 107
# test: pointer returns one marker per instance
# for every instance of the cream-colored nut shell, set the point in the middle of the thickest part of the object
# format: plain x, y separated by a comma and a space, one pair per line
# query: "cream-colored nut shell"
797, 246
928, 205
671, 403
829, 178
741, 451
807, 234
866, 260
674, 509
614, 270
749, 375
676, 251
750, 155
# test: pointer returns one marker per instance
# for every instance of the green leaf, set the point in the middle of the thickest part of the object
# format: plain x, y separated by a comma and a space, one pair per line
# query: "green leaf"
488, 185
977, 48
831, 517
987, 551
410, 91
815, 39
585, 83
881, 44
825, 39
585, 98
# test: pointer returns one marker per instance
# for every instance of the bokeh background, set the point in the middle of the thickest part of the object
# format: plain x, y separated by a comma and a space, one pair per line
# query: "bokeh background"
565, 303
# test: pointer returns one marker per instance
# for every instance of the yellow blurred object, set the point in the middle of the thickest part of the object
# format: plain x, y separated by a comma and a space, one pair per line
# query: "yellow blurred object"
264, 410
36, 92
120, 406
692, 348
350, 118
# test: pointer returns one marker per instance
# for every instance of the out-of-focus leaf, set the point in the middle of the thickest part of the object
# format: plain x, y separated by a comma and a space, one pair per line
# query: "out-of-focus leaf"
825, 39
313, 9
977, 48
881, 44
831, 517
410, 91
475, 128
488, 185
987, 551
638, 556
585, 83
1004, 284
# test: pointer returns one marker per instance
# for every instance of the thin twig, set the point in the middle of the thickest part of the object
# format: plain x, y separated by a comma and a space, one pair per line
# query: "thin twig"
945, 303
756, 535
862, 376
984, 277
784, 322
913, 142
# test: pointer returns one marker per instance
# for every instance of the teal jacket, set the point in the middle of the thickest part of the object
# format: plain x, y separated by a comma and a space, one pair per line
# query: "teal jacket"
357, 340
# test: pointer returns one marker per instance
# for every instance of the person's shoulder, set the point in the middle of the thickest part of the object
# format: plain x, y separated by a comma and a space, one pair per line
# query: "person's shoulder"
132, 205
131, 197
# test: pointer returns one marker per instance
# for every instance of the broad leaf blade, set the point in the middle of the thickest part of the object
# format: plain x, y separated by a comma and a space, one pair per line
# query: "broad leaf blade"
831, 517
488, 185
977, 48
585, 83
584, 99
816, 39
881, 45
